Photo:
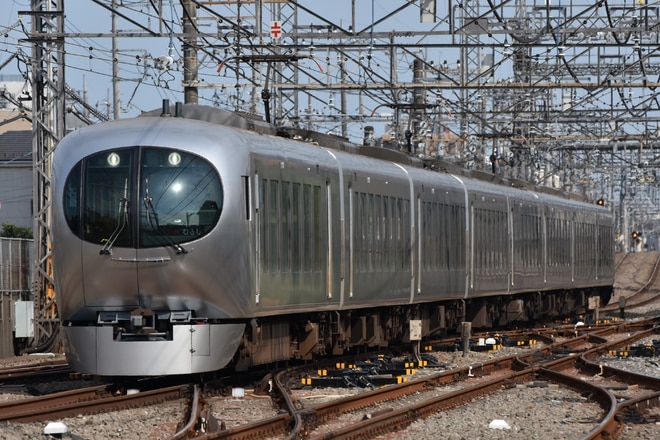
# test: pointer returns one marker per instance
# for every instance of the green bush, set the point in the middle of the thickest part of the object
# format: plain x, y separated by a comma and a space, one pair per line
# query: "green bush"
13, 231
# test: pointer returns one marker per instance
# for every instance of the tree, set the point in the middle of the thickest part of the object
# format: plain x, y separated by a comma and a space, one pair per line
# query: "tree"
13, 231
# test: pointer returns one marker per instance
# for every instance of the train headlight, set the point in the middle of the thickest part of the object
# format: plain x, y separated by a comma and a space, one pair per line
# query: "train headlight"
174, 159
113, 159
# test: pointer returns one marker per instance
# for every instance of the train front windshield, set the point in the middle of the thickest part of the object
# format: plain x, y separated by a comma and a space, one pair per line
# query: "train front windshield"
142, 197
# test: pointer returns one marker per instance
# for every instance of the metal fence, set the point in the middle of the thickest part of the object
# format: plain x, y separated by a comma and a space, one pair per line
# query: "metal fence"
15, 265
15, 284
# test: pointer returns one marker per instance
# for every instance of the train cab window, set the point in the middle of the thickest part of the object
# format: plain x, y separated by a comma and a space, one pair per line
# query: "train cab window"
96, 198
180, 197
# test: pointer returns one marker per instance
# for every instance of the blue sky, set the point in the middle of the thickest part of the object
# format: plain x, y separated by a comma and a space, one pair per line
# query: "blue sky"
143, 84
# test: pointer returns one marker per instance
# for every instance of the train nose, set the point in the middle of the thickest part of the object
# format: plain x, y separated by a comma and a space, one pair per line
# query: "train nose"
110, 280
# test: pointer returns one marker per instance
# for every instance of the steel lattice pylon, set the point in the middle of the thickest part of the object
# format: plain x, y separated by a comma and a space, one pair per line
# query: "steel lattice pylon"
48, 128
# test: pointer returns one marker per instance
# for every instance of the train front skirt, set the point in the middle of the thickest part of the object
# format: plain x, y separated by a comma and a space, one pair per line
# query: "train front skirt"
193, 349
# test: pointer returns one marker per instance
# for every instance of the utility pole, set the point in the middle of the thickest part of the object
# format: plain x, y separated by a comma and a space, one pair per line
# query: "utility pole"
116, 100
190, 63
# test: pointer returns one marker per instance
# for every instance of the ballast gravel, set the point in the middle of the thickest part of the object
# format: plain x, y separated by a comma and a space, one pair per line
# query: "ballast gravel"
523, 411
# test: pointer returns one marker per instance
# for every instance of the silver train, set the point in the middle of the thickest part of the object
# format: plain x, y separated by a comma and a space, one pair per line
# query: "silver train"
190, 242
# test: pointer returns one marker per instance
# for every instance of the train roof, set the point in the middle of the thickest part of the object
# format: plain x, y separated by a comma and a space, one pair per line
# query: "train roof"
255, 123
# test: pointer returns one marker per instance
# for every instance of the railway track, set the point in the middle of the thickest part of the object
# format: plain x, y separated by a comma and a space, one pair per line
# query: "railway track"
566, 359
85, 401
566, 363
29, 372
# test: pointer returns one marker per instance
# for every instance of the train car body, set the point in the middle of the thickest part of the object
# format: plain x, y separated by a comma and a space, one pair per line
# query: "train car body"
187, 244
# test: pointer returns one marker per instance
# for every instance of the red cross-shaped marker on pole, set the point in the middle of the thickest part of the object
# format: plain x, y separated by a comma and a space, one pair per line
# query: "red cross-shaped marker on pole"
275, 29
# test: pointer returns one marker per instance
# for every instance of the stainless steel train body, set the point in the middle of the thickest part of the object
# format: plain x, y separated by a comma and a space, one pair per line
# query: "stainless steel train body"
181, 245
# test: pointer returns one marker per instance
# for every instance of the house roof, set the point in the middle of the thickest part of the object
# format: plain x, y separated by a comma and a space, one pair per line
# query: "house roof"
16, 146
15, 137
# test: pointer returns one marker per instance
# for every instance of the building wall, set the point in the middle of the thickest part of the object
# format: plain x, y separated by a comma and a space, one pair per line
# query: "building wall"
16, 182
16, 195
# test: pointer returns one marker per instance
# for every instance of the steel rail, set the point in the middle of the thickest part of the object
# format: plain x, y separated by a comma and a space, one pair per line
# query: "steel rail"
639, 403
608, 427
23, 372
195, 411
87, 401
278, 426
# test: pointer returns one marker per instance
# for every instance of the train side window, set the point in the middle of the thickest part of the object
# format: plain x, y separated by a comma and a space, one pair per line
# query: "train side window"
296, 226
307, 228
437, 236
406, 239
440, 236
318, 232
398, 236
425, 245
502, 249
263, 220
71, 200
387, 231
451, 235
273, 226
535, 233
386, 241
285, 220
551, 240
458, 237
526, 231
370, 232
427, 236
444, 227
378, 230
360, 232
